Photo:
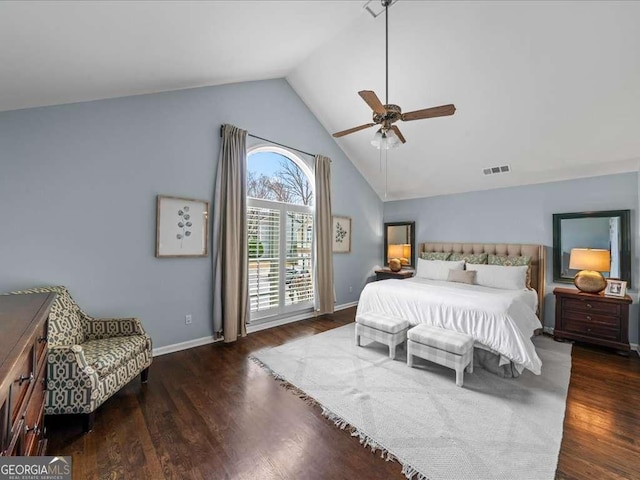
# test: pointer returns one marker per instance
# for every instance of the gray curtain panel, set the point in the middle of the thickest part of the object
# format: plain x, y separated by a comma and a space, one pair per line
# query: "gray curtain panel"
325, 295
229, 239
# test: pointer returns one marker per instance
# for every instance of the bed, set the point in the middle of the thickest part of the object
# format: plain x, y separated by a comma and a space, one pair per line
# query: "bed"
501, 322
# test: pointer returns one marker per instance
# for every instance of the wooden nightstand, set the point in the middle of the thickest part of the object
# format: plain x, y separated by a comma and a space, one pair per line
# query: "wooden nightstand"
592, 318
385, 274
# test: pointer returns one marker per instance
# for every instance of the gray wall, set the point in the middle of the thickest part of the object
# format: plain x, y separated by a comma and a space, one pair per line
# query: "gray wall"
77, 197
523, 215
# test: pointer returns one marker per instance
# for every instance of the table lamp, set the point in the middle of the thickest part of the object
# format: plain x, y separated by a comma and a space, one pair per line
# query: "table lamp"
394, 253
591, 262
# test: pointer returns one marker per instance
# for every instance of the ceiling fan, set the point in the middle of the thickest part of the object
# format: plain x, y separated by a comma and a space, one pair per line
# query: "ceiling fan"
389, 135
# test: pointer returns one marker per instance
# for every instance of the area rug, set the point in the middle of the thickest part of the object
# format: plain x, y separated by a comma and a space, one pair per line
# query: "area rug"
491, 428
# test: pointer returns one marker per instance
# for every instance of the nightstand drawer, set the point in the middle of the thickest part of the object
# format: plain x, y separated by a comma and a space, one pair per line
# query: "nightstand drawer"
586, 305
591, 329
607, 321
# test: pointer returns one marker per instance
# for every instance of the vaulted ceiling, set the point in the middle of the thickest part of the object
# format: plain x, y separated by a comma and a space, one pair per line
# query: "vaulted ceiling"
550, 88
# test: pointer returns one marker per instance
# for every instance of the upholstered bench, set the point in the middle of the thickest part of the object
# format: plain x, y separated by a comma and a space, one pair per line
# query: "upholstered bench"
391, 331
444, 347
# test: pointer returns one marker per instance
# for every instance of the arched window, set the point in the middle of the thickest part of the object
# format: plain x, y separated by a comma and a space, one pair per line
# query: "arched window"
280, 232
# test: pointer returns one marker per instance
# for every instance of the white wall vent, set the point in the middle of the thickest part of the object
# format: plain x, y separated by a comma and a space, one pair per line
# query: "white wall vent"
494, 170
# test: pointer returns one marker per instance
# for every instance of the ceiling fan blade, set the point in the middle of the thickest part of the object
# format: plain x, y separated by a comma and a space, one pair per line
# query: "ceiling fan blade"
373, 101
353, 130
400, 136
441, 111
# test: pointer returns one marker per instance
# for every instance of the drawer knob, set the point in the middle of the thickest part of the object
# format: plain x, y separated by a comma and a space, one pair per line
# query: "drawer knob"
589, 330
589, 317
589, 305
25, 379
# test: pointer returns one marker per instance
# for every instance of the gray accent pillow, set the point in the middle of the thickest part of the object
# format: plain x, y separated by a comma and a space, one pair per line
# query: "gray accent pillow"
462, 276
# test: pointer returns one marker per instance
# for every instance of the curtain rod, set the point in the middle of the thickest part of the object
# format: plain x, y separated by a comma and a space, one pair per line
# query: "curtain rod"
275, 143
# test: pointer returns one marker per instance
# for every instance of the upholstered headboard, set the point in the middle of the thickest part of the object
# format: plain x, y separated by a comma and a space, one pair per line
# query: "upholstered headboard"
535, 252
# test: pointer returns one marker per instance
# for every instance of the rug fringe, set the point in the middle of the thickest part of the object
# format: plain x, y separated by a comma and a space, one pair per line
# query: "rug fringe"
407, 470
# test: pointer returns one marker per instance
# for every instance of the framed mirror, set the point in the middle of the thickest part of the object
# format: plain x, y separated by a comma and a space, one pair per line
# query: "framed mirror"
607, 230
400, 242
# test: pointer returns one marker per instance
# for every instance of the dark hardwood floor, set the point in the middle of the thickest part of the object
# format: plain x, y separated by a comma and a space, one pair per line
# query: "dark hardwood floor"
211, 413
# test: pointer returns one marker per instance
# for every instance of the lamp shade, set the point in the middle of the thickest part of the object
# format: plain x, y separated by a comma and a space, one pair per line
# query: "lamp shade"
590, 259
395, 251
385, 139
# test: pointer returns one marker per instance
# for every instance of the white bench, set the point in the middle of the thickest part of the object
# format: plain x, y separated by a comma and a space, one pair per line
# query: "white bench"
391, 331
444, 347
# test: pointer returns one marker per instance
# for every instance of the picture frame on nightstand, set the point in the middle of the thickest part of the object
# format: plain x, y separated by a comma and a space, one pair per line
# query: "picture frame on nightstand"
615, 288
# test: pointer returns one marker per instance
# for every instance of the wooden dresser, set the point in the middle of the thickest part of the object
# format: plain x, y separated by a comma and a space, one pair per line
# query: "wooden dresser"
592, 318
23, 362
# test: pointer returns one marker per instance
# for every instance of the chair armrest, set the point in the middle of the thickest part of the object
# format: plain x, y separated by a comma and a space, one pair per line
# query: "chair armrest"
70, 355
99, 328
72, 385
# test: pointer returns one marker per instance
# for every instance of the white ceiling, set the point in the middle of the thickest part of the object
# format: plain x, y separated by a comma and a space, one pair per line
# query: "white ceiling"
550, 88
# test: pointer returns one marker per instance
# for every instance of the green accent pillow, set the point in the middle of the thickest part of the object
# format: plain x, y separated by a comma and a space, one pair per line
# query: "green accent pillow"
435, 255
515, 261
470, 257
507, 261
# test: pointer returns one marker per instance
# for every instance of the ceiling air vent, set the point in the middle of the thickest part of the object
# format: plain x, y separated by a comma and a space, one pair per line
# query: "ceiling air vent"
494, 170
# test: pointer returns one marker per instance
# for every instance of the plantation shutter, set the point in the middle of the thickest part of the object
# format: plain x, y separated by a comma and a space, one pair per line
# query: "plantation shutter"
298, 247
264, 258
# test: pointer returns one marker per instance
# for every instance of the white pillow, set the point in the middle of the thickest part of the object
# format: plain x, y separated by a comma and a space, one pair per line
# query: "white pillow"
437, 269
498, 276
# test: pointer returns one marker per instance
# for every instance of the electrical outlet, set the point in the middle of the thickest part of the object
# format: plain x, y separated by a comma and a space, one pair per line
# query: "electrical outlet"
188, 319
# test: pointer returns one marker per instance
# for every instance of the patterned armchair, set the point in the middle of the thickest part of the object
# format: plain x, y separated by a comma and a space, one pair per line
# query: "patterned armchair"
89, 359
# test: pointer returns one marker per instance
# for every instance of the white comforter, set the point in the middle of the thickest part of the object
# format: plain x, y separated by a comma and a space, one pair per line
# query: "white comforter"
502, 320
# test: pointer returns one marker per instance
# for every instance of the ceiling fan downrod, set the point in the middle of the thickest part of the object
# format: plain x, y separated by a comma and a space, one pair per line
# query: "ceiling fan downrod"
385, 4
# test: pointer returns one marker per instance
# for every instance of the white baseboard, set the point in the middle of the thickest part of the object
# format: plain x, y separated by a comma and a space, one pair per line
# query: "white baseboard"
198, 342
345, 305
633, 346
176, 347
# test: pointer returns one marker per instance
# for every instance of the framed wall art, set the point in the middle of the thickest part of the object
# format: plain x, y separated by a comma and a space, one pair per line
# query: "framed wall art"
182, 227
341, 234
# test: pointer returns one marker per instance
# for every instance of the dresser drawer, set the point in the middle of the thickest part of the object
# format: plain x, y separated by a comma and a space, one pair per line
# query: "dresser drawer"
586, 305
34, 422
22, 376
16, 445
591, 330
606, 321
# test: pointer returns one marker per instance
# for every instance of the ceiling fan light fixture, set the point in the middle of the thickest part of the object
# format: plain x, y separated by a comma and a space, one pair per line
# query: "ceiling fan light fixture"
385, 139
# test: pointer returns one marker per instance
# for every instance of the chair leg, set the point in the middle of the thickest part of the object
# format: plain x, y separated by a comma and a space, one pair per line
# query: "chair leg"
459, 376
144, 375
87, 421
392, 351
